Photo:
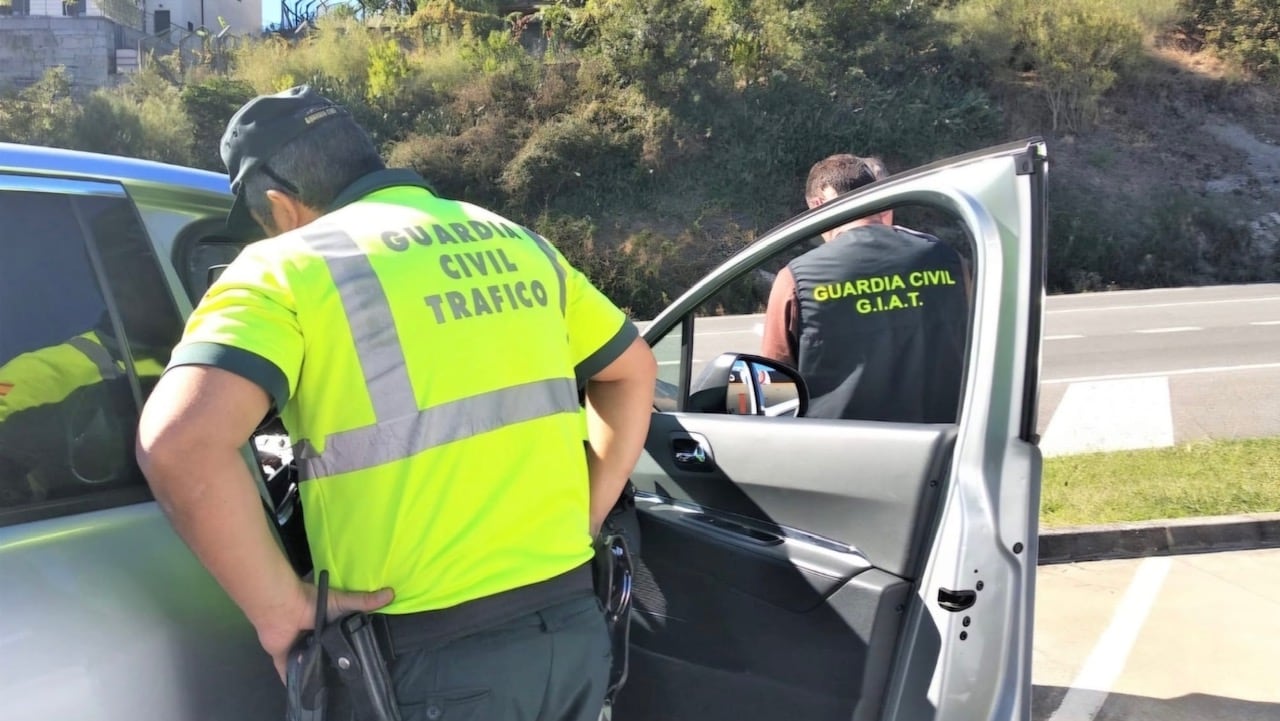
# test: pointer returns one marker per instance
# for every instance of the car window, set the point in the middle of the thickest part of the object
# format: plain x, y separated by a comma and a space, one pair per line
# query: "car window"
667, 353
75, 358
889, 362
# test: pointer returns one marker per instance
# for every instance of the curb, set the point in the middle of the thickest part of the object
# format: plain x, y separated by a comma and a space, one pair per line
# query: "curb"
1159, 538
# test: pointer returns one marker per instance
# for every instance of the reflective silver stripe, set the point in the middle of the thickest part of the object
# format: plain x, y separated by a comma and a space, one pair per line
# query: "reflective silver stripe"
99, 355
372, 328
458, 420
545, 247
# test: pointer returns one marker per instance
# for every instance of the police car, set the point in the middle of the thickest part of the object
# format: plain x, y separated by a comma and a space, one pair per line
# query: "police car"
786, 567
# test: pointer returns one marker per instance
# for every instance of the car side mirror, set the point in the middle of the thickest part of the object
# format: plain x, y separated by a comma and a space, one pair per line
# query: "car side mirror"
745, 384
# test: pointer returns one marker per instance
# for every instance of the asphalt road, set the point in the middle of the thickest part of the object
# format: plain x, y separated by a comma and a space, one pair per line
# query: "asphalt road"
1123, 369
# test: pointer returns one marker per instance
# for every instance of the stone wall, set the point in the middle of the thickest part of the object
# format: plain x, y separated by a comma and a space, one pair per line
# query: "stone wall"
30, 45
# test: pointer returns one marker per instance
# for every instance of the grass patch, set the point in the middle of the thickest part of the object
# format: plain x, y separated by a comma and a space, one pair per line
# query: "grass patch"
1208, 478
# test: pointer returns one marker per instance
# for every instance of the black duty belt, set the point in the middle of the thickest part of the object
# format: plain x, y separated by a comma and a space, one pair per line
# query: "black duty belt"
399, 634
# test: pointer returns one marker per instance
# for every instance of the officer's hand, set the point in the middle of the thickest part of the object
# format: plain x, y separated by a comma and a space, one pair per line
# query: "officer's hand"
279, 639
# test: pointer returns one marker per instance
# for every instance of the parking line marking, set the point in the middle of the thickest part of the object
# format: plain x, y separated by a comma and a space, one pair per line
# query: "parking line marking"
1265, 322
1113, 415
1153, 374
1175, 329
1062, 337
1107, 660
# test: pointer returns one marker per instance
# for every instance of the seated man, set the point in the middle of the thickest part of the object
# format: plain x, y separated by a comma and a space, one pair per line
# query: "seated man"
57, 421
876, 318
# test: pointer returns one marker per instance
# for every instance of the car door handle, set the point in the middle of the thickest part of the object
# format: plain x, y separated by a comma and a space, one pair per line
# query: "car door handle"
692, 452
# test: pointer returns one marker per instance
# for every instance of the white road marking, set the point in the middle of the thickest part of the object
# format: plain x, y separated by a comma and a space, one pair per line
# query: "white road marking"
1265, 322
1062, 337
669, 363
1174, 329
1165, 305
1154, 374
740, 331
1112, 415
1106, 662
759, 328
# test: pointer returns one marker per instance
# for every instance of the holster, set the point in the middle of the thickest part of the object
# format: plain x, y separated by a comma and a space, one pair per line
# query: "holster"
358, 663
612, 572
338, 664
308, 694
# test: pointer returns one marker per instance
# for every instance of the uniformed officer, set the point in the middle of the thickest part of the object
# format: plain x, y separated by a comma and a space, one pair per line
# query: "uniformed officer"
426, 357
875, 319
62, 405
57, 429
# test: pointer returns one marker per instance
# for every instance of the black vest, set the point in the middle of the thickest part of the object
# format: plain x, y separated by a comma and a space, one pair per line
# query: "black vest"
883, 325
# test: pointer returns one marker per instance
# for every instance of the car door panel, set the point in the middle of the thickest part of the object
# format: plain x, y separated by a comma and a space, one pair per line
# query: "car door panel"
847, 481
119, 618
811, 569
775, 555
780, 566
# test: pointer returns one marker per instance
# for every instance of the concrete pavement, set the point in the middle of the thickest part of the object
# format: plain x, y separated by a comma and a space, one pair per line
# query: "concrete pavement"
1166, 638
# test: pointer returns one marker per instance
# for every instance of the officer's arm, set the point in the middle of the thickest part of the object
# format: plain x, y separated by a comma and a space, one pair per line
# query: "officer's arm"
189, 442
619, 403
189, 439
778, 339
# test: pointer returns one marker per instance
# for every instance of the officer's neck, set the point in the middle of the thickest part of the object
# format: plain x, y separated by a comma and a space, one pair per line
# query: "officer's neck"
830, 235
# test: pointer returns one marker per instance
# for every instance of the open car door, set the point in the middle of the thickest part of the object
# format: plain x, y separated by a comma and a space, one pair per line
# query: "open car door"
806, 569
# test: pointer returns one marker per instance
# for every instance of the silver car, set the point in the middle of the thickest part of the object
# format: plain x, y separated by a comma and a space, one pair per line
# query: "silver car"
786, 567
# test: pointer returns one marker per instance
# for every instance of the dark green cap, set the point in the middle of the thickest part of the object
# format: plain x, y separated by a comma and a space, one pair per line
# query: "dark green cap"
260, 128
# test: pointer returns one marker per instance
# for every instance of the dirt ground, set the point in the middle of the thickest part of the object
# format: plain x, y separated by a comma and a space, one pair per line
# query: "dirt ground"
1190, 123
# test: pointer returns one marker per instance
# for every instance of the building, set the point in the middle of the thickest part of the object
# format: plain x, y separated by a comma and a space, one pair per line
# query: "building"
99, 40
154, 17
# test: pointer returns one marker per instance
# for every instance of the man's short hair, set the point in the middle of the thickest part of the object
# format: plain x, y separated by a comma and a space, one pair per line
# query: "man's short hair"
843, 172
319, 165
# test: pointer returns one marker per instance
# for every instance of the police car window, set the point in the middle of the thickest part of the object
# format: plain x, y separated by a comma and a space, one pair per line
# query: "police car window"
667, 390
148, 315
879, 334
67, 407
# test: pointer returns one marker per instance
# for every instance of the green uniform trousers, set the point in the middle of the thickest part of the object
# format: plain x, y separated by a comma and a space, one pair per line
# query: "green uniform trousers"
550, 665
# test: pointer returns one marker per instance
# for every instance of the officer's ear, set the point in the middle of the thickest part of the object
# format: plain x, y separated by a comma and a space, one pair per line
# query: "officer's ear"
287, 212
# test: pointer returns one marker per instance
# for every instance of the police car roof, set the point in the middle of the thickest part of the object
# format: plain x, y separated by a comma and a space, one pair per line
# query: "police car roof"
39, 160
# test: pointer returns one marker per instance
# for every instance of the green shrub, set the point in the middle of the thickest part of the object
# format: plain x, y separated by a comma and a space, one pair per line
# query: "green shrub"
440, 20
43, 114
209, 104
1247, 31
1148, 240
1074, 50
662, 46
144, 118
456, 166
388, 68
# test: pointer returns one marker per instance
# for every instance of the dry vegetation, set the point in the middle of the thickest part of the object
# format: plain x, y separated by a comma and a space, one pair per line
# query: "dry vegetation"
651, 138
